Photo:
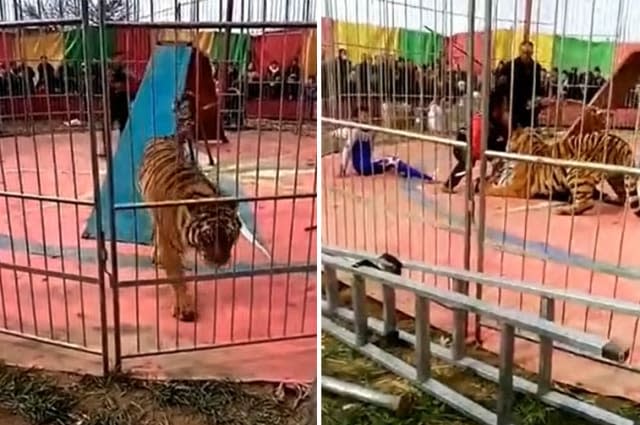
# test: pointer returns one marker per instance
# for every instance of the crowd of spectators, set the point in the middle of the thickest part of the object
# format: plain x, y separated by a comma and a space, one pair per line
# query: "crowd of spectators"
389, 77
20, 79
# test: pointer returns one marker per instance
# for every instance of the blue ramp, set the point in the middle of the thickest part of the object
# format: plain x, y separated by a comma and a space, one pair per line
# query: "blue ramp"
151, 116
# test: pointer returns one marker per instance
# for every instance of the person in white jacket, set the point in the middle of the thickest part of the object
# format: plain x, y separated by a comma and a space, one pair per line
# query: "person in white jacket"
358, 151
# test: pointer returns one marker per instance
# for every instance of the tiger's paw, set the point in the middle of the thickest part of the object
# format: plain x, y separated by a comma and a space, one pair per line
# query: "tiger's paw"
185, 311
571, 210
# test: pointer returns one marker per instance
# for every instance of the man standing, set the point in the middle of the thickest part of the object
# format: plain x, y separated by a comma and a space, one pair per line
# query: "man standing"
118, 97
527, 85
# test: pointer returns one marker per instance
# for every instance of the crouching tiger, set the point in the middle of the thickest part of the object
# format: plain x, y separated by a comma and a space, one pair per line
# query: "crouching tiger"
211, 229
578, 185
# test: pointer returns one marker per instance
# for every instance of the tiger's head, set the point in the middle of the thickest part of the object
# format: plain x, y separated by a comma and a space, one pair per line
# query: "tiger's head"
215, 232
523, 141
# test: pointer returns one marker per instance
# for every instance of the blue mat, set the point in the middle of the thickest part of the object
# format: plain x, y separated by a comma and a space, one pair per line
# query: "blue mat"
151, 116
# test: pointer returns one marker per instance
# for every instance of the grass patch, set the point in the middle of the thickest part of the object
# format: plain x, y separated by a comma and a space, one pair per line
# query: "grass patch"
42, 398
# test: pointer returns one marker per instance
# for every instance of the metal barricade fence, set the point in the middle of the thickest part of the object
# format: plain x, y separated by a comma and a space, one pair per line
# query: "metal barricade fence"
549, 333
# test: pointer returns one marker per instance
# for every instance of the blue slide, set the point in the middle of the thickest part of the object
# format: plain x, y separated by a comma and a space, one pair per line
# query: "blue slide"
151, 116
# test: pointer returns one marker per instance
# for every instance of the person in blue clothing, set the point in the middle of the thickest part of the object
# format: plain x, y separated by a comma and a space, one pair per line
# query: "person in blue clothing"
358, 151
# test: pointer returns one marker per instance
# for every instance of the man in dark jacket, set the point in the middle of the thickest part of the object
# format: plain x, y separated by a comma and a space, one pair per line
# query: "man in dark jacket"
527, 85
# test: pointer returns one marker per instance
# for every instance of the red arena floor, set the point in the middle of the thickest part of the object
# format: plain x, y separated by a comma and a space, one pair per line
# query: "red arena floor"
263, 326
416, 221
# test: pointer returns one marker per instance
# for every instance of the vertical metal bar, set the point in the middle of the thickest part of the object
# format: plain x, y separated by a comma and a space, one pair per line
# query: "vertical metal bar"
505, 380
389, 310
100, 245
547, 311
460, 317
358, 300
423, 339
528, 6
331, 286
482, 202
113, 244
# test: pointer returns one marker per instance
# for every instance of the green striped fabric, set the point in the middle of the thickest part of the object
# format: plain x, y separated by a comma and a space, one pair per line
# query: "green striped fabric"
239, 47
73, 44
419, 47
569, 52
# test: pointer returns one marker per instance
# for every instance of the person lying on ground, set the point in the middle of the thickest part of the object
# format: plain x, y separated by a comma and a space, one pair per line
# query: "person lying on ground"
358, 150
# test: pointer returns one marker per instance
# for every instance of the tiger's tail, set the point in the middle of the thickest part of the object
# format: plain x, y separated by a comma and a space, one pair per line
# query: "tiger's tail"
631, 186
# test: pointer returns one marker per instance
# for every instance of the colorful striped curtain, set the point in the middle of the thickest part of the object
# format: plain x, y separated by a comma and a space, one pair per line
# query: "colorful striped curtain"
506, 45
203, 40
239, 47
420, 47
73, 50
32, 45
365, 39
569, 52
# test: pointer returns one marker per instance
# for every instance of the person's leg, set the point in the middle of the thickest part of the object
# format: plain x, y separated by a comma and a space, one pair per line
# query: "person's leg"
409, 172
458, 171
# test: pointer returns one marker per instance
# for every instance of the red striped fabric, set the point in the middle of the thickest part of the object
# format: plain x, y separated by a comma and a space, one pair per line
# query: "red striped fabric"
7, 46
280, 46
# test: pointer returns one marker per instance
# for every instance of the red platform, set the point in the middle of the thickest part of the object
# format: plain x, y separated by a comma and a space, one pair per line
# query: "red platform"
233, 312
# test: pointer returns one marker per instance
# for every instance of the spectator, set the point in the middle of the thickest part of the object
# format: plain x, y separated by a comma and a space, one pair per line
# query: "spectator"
253, 81
293, 79
46, 76
527, 84
68, 77
4, 80
27, 75
343, 71
118, 98
274, 79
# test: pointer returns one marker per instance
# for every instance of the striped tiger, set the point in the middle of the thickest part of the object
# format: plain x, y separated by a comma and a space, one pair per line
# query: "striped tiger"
167, 173
529, 180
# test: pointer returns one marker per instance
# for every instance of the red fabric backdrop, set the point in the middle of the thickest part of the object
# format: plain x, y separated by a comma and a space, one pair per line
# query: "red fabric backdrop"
7, 43
281, 46
327, 36
456, 51
136, 45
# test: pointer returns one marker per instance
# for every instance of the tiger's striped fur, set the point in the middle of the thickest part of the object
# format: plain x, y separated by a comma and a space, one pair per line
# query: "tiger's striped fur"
166, 173
579, 185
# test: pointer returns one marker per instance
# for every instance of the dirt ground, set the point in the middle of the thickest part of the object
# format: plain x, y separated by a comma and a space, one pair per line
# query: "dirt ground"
31, 397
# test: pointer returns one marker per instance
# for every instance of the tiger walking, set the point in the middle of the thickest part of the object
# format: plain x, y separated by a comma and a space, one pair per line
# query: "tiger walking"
168, 173
579, 185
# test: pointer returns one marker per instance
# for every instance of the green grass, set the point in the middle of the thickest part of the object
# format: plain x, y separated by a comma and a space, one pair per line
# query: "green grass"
343, 363
42, 398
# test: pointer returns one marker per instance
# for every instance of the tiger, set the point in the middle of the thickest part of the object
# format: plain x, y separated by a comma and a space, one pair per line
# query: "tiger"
168, 172
576, 185
592, 119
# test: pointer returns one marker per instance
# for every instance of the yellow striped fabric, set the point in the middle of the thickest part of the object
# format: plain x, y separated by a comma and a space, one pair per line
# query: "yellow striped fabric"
361, 39
506, 44
309, 57
30, 46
